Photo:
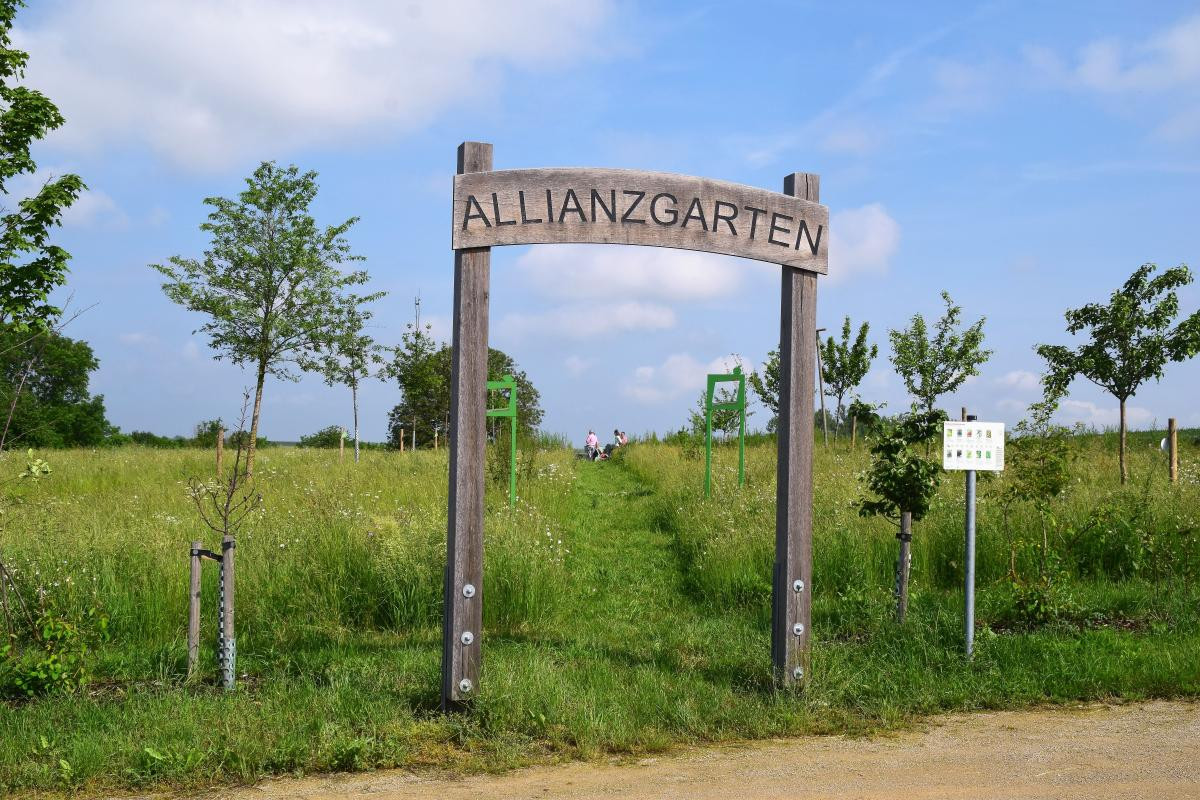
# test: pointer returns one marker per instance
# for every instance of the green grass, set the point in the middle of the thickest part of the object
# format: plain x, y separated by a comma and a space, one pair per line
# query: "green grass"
624, 613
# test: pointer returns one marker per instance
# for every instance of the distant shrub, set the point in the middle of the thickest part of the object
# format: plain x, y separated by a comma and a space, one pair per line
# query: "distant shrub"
330, 436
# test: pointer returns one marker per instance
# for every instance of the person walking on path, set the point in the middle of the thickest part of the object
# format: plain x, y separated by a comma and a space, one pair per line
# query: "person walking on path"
591, 445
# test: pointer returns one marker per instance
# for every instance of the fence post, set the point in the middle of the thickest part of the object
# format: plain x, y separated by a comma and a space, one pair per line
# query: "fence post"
220, 448
228, 639
194, 604
1173, 449
342, 445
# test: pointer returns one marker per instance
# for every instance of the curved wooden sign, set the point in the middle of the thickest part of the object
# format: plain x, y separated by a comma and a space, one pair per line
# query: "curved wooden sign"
620, 206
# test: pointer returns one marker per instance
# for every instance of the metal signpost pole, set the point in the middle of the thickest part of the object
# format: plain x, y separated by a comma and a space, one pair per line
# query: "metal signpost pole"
969, 586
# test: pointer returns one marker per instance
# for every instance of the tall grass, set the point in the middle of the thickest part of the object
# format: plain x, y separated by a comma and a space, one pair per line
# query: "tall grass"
1099, 530
624, 612
335, 547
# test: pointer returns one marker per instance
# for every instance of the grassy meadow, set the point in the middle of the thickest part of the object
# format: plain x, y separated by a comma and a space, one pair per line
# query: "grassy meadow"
624, 612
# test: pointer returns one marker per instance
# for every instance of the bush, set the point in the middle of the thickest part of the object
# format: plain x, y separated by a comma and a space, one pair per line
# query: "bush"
326, 437
57, 660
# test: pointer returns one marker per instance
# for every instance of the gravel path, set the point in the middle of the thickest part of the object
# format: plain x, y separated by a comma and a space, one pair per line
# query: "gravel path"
1149, 751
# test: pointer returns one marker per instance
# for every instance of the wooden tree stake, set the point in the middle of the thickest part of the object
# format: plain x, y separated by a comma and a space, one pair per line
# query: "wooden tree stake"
220, 448
1173, 449
193, 645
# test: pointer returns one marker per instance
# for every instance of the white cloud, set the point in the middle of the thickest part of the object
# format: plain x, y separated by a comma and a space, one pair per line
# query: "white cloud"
851, 139
206, 84
680, 374
1166, 66
91, 209
587, 320
879, 378
1020, 379
862, 242
576, 366
138, 338
1107, 415
94, 208
603, 273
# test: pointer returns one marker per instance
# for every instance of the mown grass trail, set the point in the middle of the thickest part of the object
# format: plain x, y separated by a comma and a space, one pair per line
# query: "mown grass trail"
624, 567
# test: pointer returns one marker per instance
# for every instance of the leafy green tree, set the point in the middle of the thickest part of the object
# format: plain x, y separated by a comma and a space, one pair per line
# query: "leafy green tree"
724, 421
1037, 471
206, 433
30, 265
44, 391
900, 479
349, 359
844, 365
932, 367
327, 437
1131, 339
422, 368
765, 384
270, 281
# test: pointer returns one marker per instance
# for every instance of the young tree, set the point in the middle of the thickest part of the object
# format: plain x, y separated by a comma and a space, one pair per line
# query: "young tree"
934, 367
270, 281
1131, 339
30, 266
766, 385
844, 365
902, 481
349, 359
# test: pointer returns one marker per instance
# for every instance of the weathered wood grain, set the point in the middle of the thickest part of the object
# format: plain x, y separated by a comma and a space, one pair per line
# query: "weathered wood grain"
193, 640
468, 409
615, 206
791, 604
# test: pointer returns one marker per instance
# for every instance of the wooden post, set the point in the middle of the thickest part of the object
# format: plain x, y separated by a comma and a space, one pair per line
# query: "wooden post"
193, 641
401, 438
853, 431
342, 446
220, 447
463, 606
821, 389
1173, 450
791, 595
229, 655
905, 537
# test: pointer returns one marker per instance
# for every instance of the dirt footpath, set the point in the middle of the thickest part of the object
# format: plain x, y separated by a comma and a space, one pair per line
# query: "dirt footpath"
1148, 751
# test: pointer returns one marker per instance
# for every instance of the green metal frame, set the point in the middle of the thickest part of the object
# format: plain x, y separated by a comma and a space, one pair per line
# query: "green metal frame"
739, 406
509, 384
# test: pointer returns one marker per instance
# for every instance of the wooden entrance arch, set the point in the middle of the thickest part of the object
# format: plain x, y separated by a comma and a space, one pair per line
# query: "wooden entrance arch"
609, 206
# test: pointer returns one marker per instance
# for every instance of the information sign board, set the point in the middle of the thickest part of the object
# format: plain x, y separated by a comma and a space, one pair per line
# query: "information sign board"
973, 445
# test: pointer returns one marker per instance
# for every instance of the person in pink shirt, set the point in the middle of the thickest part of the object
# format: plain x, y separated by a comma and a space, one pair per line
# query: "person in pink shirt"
591, 445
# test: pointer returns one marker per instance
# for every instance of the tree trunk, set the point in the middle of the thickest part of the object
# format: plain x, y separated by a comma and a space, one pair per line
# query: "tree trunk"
354, 394
1124, 468
902, 566
258, 391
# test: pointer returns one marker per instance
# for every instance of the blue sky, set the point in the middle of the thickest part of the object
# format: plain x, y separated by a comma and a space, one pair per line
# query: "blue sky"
1024, 157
